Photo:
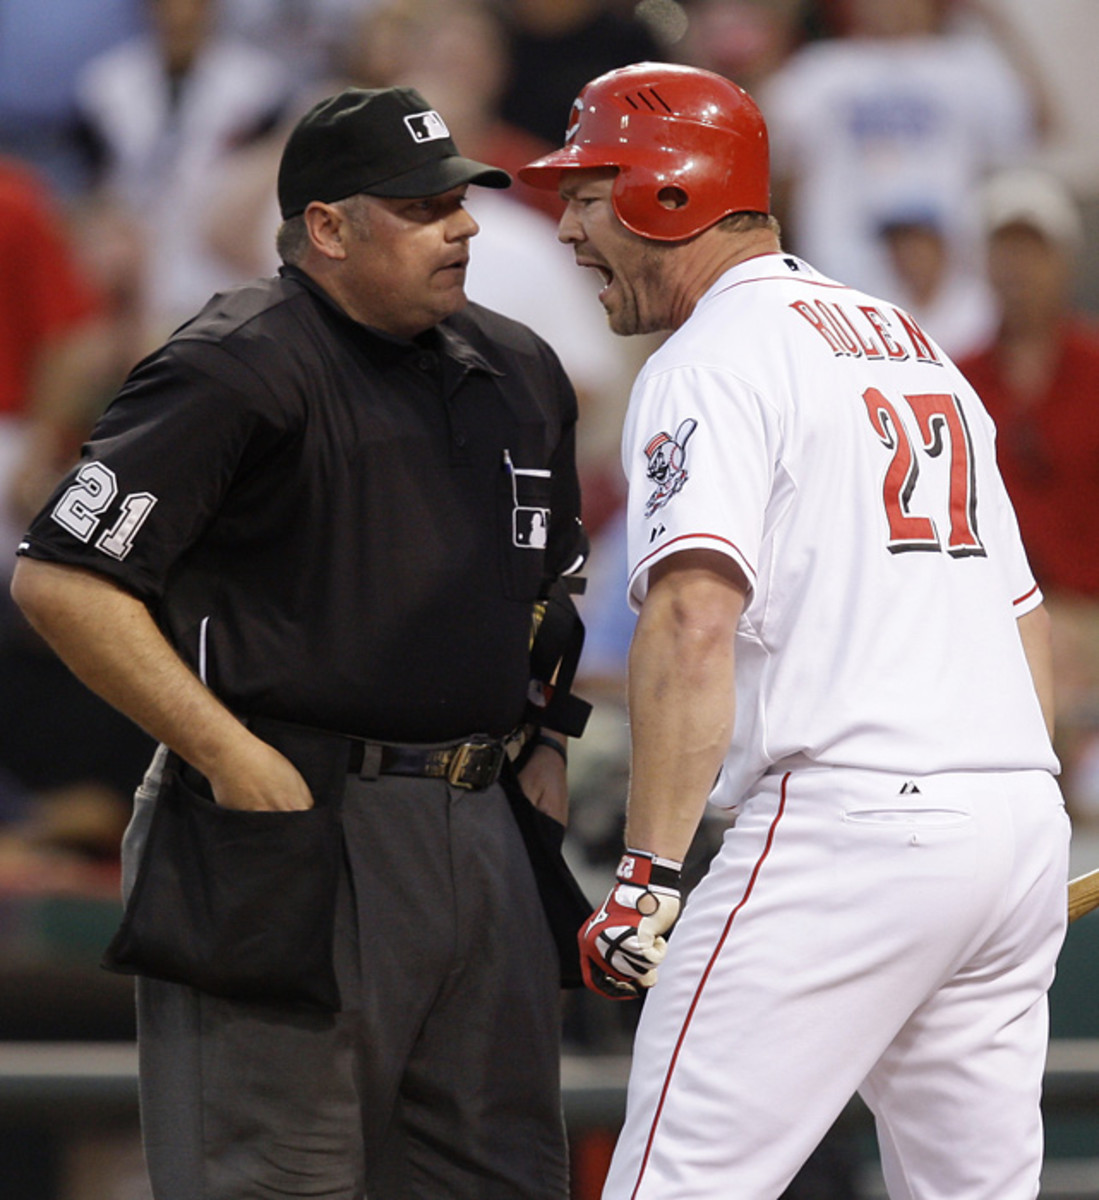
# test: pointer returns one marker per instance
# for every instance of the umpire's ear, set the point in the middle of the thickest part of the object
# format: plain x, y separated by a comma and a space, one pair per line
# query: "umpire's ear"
329, 229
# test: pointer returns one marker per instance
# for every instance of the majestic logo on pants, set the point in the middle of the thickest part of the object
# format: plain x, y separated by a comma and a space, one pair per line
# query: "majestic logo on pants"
667, 468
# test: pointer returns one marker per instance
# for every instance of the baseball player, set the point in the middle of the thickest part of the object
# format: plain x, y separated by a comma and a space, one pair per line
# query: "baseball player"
837, 623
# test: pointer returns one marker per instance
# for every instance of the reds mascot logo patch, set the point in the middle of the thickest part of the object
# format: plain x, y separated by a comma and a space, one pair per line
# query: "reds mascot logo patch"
667, 464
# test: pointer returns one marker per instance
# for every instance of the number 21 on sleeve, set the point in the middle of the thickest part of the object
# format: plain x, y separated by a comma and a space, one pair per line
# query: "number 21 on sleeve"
83, 503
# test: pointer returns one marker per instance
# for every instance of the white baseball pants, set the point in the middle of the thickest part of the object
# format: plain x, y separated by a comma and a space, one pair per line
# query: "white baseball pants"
853, 937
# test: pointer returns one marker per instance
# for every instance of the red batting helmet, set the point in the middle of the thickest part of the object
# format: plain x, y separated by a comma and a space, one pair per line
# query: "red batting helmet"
689, 145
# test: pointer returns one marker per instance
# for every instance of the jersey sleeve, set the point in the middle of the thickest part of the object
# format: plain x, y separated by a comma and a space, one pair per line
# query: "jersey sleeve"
699, 449
1020, 584
1002, 526
157, 467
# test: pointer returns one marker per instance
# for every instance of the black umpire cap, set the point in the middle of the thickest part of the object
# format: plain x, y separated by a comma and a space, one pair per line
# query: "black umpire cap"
384, 141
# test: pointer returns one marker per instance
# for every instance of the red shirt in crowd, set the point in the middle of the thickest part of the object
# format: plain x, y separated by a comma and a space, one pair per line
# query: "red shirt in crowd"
1048, 451
43, 292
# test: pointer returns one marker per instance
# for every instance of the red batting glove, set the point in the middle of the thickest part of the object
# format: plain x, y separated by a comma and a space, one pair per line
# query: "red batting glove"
623, 943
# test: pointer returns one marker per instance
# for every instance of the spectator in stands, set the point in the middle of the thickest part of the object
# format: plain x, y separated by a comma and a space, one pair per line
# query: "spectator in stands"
911, 106
165, 109
1039, 378
954, 304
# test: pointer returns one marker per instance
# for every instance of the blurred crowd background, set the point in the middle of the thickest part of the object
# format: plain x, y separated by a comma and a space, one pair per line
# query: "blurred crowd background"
942, 153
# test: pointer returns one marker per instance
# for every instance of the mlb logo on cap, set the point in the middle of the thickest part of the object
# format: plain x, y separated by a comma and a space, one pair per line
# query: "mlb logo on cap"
426, 126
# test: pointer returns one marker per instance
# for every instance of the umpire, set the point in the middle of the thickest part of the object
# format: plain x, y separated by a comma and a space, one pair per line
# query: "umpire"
306, 549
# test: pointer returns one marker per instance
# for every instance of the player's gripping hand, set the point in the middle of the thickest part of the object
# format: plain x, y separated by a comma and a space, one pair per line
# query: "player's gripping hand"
623, 943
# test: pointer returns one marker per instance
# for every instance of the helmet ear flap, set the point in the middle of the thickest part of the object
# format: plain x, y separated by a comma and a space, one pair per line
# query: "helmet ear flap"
648, 203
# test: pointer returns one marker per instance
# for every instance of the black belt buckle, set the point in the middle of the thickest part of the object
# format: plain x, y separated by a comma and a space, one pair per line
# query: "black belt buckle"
476, 764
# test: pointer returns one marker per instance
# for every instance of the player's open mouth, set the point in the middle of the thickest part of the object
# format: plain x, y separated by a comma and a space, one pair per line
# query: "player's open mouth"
605, 273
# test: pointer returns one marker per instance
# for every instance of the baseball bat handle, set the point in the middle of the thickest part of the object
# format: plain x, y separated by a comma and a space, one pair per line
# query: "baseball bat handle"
1083, 894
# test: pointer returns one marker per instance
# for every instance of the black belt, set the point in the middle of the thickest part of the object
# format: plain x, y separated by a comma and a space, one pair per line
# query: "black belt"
474, 763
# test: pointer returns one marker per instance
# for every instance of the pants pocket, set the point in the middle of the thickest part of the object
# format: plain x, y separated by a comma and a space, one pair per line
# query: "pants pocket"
237, 904
924, 818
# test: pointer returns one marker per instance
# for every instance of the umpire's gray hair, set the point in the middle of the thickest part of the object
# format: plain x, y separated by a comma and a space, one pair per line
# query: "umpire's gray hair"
292, 239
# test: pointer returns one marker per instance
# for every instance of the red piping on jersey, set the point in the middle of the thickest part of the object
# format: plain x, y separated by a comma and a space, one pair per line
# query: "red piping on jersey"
683, 537
1023, 599
843, 287
702, 983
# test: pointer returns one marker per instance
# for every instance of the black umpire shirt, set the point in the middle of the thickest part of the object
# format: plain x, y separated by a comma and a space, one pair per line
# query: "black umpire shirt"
333, 526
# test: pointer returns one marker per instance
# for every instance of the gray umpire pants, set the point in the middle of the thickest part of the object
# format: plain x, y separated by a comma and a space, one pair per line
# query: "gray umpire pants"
438, 1081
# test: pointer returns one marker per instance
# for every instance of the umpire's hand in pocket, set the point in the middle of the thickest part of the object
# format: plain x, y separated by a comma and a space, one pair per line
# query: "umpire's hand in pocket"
254, 776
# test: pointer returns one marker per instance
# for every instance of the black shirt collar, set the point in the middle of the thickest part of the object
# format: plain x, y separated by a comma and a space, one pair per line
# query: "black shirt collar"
441, 339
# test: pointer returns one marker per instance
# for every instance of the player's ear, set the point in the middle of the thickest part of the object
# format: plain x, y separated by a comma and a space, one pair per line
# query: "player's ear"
329, 229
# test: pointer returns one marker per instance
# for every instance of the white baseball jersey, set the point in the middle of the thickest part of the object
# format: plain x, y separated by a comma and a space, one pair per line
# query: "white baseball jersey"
818, 437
